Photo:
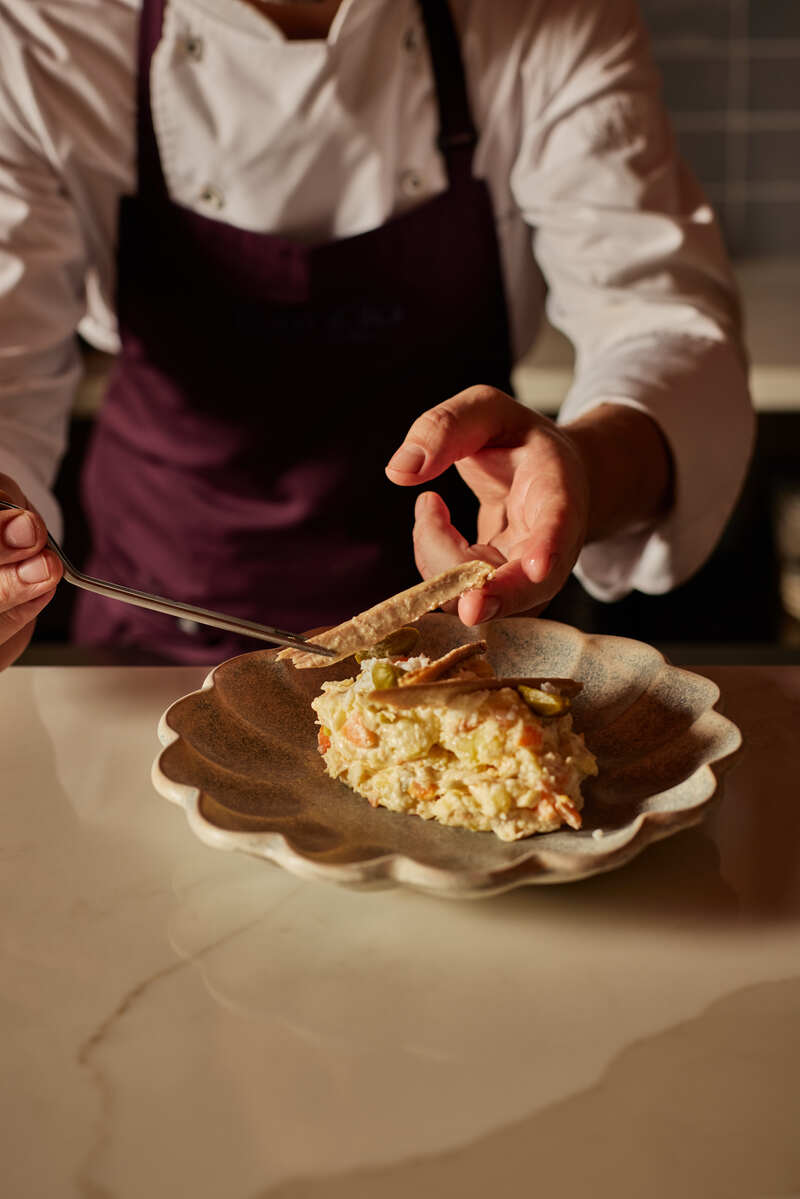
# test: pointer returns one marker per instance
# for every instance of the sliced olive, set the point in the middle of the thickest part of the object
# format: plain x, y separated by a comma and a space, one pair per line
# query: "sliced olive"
384, 675
544, 703
397, 643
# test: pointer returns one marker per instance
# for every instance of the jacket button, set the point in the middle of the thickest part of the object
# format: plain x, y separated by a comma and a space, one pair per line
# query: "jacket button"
411, 40
410, 183
212, 197
193, 47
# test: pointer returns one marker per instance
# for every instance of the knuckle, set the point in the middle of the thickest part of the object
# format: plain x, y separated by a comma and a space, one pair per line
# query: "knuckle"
9, 589
438, 423
483, 393
21, 614
16, 590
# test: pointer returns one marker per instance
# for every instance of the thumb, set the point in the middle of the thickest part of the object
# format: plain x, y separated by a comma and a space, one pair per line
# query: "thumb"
456, 429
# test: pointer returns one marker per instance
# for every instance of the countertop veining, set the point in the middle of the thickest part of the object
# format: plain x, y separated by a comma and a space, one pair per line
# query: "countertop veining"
177, 1020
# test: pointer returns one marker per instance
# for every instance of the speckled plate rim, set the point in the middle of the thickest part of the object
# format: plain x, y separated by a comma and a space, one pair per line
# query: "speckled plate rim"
540, 866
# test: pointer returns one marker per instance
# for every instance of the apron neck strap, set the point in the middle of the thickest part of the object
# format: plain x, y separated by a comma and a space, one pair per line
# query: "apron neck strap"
457, 133
150, 172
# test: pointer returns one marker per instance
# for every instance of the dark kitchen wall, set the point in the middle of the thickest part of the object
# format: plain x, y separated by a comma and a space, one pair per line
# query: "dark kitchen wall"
731, 72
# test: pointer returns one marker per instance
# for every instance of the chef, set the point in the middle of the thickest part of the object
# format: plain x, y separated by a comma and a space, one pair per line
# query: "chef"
316, 235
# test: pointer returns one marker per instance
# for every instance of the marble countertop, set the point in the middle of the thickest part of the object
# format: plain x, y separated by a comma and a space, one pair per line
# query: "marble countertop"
180, 1021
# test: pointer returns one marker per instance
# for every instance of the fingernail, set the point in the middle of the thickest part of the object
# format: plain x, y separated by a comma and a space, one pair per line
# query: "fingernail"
20, 533
491, 606
34, 570
409, 459
539, 569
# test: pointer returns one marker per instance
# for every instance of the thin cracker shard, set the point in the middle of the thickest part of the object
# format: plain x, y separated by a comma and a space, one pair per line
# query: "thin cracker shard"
412, 695
384, 618
440, 666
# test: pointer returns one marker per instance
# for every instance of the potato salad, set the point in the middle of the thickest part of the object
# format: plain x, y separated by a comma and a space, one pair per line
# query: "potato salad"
448, 741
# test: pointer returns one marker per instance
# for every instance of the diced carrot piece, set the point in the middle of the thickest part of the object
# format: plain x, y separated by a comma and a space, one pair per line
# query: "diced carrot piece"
530, 737
357, 732
568, 811
323, 741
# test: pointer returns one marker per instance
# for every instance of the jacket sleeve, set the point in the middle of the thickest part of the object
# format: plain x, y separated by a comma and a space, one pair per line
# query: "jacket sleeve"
638, 280
66, 105
42, 270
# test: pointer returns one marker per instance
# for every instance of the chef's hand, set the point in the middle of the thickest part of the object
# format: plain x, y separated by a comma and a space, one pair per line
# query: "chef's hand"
544, 490
28, 572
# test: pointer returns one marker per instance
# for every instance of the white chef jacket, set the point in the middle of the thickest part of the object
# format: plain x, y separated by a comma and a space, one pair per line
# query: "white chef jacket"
318, 140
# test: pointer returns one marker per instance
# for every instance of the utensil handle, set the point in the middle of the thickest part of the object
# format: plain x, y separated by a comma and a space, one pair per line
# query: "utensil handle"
157, 603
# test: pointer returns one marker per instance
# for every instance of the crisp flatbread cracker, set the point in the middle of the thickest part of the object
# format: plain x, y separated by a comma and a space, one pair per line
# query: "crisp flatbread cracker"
411, 695
440, 666
376, 623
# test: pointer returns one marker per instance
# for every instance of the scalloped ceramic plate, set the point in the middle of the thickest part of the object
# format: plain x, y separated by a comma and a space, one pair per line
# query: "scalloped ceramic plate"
240, 756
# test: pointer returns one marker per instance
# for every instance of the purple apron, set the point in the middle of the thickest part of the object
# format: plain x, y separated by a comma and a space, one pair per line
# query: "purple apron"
262, 385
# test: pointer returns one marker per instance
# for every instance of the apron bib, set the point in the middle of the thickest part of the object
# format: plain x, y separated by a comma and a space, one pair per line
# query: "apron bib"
262, 385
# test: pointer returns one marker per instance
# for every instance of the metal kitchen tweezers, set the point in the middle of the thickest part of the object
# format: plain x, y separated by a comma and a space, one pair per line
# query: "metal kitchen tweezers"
156, 603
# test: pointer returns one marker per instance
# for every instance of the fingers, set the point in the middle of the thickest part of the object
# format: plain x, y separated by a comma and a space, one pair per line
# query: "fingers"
539, 553
16, 627
546, 525
22, 583
534, 571
438, 545
456, 429
492, 521
533, 492
547, 513
22, 533
511, 591
28, 574
539, 547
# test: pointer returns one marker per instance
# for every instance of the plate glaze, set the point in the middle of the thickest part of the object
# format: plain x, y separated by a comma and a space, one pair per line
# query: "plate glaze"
240, 756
